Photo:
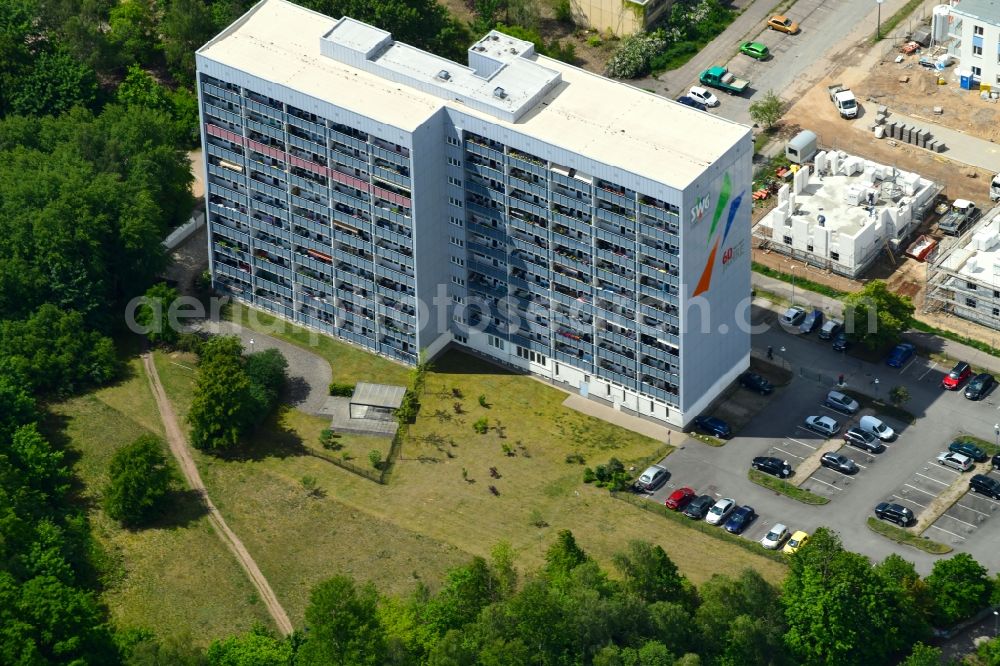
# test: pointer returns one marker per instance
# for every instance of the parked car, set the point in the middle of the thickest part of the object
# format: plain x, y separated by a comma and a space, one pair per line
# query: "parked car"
679, 499
841, 342
793, 316
824, 425
980, 386
962, 463
754, 382
900, 354
713, 426
799, 539
783, 24
894, 513
863, 440
968, 449
838, 462
996, 461
687, 100
699, 506
773, 466
831, 328
877, 427
740, 519
953, 380
703, 95
755, 50
842, 402
773, 539
985, 485
652, 478
812, 321
720, 511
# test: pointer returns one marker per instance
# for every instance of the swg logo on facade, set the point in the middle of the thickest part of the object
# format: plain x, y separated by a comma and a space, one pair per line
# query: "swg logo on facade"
729, 255
698, 210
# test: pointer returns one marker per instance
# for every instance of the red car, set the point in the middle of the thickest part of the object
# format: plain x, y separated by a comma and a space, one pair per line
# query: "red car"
679, 499
958, 374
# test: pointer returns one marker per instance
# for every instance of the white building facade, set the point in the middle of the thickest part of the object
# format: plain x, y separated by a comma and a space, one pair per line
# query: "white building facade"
977, 22
548, 218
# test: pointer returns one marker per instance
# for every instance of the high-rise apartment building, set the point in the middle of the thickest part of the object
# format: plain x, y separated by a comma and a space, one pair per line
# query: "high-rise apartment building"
573, 226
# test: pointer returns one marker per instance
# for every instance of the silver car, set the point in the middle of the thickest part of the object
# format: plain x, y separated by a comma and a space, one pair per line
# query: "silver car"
717, 514
842, 402
956, 461
824, 425
773, 539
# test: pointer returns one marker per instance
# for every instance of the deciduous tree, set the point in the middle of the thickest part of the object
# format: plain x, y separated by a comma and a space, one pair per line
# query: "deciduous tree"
959, 587
223, 402
767, 110
875, 316
343, 626
139, 481
257, 648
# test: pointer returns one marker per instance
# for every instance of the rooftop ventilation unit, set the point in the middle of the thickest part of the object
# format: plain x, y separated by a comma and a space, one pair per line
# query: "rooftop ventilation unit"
494, 38
499, 93
444, 75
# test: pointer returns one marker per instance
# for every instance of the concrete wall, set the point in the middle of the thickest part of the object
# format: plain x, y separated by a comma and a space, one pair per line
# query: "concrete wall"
620, 17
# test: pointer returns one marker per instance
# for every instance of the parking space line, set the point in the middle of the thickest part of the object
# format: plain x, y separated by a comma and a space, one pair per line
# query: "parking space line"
919, 490
907, 366
947, 532
930, 478
991, 501
938, 465
904, 499
811, 432
787, 453
933, 365
947, 515
834, 411
808, 446
813, 478
973, 510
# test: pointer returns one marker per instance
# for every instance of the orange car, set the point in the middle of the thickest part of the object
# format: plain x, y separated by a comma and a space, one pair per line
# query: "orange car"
782, 24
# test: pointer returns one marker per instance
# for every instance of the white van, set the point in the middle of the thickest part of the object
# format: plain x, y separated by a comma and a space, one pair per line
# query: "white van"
877, 428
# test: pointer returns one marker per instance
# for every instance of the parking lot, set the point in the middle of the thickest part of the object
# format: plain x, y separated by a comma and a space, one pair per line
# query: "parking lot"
961, 522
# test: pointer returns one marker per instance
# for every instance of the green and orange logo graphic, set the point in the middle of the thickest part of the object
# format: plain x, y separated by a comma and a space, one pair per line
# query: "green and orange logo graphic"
724, 193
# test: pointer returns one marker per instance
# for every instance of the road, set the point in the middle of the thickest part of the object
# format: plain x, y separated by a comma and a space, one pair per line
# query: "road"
179, 448
940, 416
827, 30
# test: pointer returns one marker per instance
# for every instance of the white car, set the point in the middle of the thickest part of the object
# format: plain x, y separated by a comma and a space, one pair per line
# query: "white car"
720, 511
956, 461
704, 96
877, 428
773, 539
824, 425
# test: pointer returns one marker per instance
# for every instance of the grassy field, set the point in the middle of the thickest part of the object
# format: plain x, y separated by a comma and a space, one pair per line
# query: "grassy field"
175, 577
347, 363
432, 516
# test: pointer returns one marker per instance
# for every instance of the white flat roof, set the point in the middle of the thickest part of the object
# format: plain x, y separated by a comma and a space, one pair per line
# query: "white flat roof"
978, 256
602, 119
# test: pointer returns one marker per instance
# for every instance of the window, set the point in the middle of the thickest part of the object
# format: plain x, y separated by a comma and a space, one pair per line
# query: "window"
454, 161
809, 247
652, 407
609, 389
458, 261
977, 30
835, 256
453, 141
977, 71
971, 286
457, 221
462, 339
455, 202
971, 302
457, 280
454, 181
787, 240
557, 369
456, 241
494, 341
977, 50
996, 312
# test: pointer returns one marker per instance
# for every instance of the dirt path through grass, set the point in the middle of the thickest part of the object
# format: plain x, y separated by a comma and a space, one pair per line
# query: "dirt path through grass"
178, 446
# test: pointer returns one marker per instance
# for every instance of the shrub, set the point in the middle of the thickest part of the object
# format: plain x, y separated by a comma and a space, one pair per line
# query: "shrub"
564, 11
189, 342
481, 425
139, 481
575, 457
633, 55
407, 412
594, 41
589, 476
341, 389
375, 458
482, 401
328, 440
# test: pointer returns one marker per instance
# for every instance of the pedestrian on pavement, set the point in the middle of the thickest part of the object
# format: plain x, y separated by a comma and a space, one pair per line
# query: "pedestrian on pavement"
840, 380
770, 353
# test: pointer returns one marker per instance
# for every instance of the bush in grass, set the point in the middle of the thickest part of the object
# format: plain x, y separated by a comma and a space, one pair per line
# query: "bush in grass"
341, 390
482, 401
589, 476
375, 458
407, 412
481, 425
633, 55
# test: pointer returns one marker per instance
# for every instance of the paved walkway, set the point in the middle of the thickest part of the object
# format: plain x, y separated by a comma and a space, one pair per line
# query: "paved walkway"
179, 448
959, 146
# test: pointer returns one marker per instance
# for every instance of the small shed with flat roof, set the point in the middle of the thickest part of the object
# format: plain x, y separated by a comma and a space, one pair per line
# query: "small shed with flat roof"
376, 402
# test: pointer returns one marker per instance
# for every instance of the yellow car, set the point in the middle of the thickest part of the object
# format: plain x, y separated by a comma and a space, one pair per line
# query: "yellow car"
798, 540
782, 24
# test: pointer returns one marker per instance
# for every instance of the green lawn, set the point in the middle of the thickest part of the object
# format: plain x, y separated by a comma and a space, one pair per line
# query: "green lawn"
176, 577
349, 364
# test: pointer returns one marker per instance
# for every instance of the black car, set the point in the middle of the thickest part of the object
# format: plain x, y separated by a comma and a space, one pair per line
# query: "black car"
754, 382
968, 449
699, 506
740, 519
692, 102
773, 466
865, 441
985, 485
841, 342
839, 462
996, 461
713, 426
894, 513
812, 321
979, 386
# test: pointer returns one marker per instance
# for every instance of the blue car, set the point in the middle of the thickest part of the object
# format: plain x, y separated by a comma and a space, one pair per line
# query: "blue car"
899, 355
713, 426
740, 519
692, 102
